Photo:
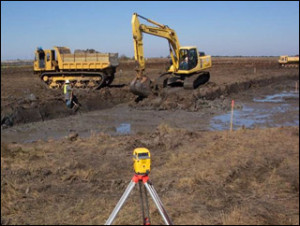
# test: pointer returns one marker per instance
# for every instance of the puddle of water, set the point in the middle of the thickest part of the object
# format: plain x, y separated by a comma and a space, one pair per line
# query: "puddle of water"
278, 97
246, 117
124, 128
261, 113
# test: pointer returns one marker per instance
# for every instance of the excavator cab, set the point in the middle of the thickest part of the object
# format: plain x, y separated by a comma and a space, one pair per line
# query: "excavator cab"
188, 58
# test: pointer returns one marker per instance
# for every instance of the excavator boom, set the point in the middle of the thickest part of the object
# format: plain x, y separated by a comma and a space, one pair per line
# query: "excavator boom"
161, 31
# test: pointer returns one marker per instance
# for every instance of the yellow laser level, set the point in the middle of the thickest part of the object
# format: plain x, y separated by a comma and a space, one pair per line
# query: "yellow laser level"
141, 161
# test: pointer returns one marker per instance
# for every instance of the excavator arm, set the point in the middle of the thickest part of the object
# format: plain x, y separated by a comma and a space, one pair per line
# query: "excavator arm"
141, 84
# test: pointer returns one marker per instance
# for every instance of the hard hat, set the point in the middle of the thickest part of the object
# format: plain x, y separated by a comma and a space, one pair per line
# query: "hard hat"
67, 82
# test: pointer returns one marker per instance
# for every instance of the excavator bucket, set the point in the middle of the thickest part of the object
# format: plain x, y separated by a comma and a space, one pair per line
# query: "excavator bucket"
141, 87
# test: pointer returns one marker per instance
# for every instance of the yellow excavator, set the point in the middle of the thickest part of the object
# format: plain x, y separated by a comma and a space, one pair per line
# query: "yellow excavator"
187, 65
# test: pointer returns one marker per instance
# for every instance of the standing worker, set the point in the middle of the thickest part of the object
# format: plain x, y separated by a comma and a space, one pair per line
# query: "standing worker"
70, 98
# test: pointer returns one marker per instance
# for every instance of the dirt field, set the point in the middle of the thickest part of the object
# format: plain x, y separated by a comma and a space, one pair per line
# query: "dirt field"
76, 166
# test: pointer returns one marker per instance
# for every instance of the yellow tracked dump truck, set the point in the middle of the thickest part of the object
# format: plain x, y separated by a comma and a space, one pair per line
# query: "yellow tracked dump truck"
289, 61
84, 69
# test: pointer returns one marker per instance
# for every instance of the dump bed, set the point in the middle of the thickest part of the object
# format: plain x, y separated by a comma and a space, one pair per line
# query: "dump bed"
85, 60
293, 59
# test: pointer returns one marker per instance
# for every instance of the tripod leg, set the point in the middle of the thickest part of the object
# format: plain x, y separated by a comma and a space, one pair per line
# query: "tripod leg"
155, 193
158, 204
120, 203
147, 207
146, 216
142, 200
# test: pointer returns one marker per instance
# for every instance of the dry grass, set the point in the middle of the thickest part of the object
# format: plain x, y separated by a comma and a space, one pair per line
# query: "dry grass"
243, 177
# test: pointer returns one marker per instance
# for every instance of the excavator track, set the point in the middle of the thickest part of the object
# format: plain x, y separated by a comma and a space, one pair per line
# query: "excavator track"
188, 82
144, 87
162, 81
94, 80
195, 80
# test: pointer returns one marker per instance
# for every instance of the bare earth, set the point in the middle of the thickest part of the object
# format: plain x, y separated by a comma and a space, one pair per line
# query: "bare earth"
60, 167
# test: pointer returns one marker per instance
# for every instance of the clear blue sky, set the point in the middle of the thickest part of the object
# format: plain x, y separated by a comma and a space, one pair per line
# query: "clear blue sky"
217, 28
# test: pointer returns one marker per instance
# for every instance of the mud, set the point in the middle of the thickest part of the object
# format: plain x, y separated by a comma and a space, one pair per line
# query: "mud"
61, 167
25, 99
274, 105
253, 108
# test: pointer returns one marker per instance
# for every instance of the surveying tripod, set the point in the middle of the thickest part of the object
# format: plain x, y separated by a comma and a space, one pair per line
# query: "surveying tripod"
141, 179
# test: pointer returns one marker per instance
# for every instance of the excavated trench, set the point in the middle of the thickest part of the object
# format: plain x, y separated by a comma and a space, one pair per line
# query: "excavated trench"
32, 109
271, 105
